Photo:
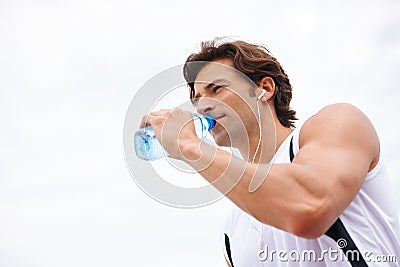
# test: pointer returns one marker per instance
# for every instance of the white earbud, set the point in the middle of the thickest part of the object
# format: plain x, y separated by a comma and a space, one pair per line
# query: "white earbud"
261, 95
254, 185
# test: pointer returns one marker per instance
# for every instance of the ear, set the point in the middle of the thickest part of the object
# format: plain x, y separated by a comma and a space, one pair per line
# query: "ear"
268, 84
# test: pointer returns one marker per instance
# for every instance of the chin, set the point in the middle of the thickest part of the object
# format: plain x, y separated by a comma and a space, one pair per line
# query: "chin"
221, 140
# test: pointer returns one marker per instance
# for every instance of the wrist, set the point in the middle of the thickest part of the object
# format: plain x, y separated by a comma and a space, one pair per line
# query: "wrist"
190, 149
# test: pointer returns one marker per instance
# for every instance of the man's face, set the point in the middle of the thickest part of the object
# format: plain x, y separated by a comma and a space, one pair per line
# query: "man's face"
224, 93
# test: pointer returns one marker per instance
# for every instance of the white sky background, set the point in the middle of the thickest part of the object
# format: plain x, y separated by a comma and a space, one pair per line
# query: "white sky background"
68, 71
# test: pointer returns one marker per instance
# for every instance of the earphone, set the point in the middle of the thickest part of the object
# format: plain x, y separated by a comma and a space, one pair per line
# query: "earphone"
263, 92
251, 188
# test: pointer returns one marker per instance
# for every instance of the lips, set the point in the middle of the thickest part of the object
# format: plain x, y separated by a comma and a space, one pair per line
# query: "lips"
217, 124
218, 117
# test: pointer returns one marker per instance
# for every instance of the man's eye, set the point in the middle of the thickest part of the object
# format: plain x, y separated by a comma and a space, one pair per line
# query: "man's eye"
216, 88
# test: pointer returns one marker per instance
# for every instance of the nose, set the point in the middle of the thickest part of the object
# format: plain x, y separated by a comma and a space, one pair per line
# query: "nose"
205, 106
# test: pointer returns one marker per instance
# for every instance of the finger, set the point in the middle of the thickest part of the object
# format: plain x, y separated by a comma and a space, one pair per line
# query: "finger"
169, 110
145, 121
154, 120
161, 112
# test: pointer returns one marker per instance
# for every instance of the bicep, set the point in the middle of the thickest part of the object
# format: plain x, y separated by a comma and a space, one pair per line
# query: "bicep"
338, 146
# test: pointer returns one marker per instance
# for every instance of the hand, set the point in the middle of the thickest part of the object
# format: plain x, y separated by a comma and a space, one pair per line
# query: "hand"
174, 128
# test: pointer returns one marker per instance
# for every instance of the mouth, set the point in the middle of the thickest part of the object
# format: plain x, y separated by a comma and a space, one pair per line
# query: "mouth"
218, 117
217, 124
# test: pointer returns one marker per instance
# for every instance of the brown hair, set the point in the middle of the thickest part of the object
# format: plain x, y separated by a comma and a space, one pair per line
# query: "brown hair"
255, 61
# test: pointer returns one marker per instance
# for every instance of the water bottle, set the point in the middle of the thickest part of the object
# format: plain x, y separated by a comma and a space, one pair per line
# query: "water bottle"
147, 146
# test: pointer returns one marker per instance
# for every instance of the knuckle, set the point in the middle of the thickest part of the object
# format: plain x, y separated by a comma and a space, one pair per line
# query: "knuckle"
158, 120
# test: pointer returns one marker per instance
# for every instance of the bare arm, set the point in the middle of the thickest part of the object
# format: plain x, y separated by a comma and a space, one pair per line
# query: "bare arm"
338, 146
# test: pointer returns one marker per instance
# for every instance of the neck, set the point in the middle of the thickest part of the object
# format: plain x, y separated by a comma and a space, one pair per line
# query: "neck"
273, 134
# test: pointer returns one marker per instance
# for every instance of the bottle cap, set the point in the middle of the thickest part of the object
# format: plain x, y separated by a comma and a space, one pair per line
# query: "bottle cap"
211, 122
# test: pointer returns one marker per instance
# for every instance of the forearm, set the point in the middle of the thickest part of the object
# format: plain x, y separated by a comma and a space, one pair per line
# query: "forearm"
286, 195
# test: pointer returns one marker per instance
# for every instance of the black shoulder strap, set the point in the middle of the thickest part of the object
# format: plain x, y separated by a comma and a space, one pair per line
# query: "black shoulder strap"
339, 233
344, 241
228, 249
291, 154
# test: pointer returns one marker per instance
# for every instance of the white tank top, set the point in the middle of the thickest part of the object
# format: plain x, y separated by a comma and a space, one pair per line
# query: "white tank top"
371, 221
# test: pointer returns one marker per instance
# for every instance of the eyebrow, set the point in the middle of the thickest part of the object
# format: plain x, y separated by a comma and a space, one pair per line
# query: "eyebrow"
212, 84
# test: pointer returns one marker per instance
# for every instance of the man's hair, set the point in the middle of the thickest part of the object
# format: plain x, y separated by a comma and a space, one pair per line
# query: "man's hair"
255, 61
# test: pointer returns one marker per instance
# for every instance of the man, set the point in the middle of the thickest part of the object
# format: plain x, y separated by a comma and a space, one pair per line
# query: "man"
315, 195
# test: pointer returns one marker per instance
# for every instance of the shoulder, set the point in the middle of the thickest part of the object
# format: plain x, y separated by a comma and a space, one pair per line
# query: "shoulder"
336, 113
340, 124
340, 109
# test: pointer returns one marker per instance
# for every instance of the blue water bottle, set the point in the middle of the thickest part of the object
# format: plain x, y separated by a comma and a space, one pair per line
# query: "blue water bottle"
147, 146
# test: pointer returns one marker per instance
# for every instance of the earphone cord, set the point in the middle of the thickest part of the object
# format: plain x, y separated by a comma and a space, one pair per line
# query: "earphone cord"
260, 133
254, 157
